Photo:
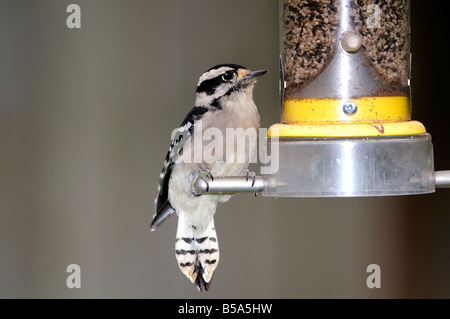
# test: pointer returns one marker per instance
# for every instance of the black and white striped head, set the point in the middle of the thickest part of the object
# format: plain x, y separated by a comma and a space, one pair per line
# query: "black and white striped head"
222, 81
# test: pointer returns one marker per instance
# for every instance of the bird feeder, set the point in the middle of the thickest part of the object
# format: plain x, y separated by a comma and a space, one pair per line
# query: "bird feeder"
345, 87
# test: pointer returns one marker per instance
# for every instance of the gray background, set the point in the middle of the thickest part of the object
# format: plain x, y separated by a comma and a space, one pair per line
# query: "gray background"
85, 121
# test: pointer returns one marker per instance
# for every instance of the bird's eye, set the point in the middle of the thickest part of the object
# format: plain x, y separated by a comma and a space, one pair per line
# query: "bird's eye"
229, 75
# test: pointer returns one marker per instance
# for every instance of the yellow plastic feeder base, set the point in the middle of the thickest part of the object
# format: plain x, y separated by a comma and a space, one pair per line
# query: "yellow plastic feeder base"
373, 116
349, 148
336, 129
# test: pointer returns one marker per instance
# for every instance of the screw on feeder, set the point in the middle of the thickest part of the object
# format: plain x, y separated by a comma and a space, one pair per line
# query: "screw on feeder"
350, 107
351, 42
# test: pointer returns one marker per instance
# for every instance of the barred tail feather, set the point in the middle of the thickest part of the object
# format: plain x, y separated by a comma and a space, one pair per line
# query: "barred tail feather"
197, 252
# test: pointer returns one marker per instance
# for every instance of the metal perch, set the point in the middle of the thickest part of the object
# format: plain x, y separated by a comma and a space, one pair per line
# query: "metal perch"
242, 184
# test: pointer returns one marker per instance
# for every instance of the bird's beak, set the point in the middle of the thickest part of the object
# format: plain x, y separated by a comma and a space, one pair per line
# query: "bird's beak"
250, 78
255, 74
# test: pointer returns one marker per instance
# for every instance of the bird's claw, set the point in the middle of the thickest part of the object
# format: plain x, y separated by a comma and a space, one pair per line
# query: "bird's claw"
252, 175
206, 176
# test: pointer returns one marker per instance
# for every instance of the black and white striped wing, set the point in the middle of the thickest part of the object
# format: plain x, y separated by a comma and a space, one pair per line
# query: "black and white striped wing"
163, 209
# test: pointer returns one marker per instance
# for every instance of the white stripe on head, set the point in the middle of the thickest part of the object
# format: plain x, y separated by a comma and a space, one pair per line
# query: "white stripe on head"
213, 73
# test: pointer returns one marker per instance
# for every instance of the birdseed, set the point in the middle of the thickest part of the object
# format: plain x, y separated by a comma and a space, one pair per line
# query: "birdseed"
310, 37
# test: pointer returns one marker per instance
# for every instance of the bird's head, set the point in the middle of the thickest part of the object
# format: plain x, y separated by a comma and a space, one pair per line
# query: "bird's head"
223, 80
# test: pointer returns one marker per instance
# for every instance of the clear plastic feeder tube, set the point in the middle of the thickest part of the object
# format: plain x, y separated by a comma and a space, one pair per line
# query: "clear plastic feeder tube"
338, 51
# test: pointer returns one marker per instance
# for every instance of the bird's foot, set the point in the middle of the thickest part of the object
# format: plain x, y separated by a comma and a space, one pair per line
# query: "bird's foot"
251, 175
204, 174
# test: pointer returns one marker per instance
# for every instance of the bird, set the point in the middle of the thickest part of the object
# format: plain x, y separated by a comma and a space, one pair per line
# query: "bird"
223, 100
